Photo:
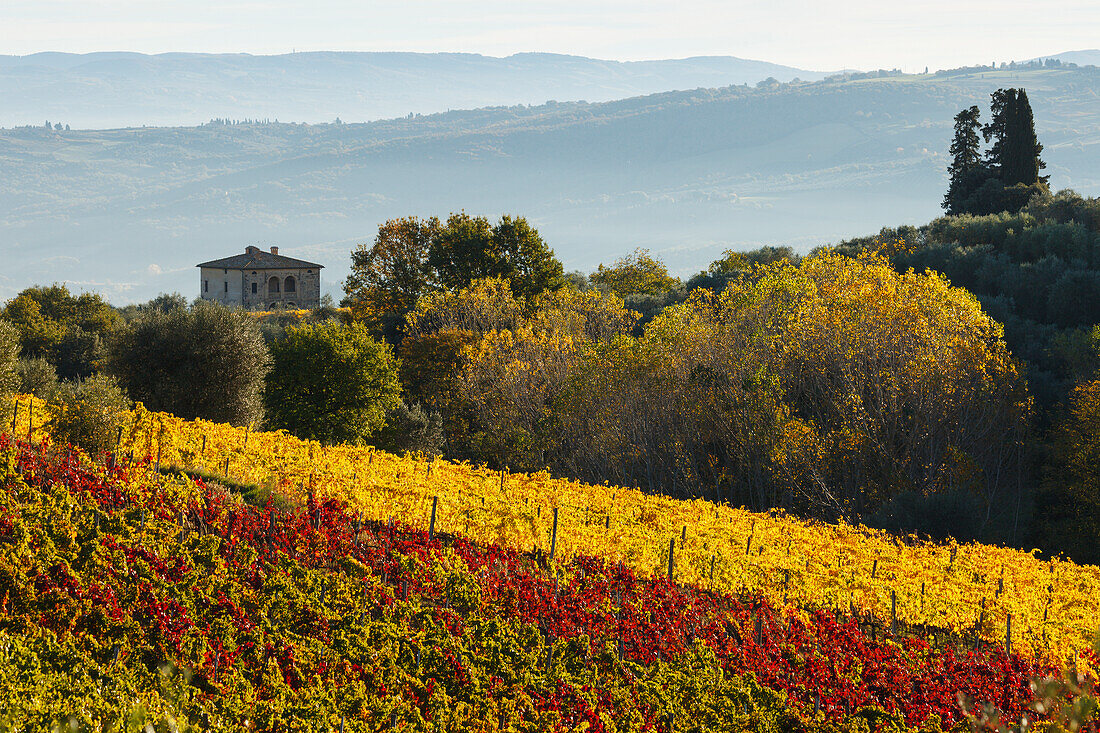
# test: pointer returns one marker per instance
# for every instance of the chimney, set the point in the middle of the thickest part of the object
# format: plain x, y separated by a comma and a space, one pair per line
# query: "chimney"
274, 250
250, 250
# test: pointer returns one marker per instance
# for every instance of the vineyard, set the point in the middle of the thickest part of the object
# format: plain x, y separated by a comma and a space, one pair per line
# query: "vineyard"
966, 588
358, 590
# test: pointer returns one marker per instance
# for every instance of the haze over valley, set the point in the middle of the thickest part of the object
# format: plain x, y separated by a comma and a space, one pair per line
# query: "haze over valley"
103, 90
688, 174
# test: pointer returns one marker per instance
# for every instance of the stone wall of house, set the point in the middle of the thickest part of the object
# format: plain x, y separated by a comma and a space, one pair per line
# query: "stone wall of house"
282, 289
262, 289
221, 286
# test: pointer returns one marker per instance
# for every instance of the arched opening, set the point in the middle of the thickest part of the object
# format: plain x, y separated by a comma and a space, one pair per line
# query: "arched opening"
290, 306
273, 307
273, 285
288, 284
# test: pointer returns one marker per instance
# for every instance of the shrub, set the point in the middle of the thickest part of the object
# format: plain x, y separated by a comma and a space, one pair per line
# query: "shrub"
331, 383
412, 429
9, 357
89, 413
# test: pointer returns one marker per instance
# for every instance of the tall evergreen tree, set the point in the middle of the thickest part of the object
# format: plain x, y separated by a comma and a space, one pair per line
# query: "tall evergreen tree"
966, 160
1025, 164
1014, 154
1002, 109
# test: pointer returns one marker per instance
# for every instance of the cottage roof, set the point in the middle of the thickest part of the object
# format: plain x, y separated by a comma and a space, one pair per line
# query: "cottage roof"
255, 258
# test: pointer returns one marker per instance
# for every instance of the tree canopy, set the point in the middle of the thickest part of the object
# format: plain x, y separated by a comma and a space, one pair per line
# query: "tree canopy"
638, 273
66, 330
387, 278
411, 257
331, 382
207, 362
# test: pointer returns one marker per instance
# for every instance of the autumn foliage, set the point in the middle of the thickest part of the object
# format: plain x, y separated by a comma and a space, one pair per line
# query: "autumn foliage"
129, 600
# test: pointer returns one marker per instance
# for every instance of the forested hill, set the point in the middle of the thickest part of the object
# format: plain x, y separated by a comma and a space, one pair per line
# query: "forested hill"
101, 90
688, 174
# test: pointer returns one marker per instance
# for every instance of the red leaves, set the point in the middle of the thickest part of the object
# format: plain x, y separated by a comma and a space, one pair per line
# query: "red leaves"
818, 658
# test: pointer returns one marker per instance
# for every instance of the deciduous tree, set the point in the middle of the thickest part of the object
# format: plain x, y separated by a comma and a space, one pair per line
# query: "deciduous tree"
388, 277
638, 273
469, 248
67, 330
331, 383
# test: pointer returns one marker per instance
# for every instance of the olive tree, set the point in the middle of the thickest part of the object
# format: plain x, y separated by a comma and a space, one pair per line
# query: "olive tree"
207, 362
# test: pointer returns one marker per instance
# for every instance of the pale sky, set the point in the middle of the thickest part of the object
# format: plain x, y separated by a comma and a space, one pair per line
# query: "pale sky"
815, 35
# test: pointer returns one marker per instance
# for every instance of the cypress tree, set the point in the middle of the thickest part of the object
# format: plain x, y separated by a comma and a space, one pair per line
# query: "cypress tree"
1014, 155
966, 169
999, 130
1026, 148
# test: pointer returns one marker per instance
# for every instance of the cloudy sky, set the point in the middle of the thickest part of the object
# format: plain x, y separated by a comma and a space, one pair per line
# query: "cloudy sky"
816, 34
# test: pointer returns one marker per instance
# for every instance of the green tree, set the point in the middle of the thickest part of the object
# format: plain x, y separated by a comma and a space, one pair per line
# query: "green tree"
331, 383
469, 248
532, 267
1069, 503
38, 377
1008, 176
966, 169
1015, 153
65, 329
1026, 163
207, 362
463, 251
9, 357
388, 277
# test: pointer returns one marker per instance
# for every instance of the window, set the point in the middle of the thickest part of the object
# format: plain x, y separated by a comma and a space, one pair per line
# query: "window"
227, 286
206, 286
253, 288
273, 285
289, 284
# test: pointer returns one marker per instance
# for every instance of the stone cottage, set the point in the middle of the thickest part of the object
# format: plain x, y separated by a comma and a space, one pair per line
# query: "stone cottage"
258, 280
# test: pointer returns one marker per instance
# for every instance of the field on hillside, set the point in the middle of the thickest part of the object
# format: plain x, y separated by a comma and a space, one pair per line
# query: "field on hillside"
983, 592
134, 601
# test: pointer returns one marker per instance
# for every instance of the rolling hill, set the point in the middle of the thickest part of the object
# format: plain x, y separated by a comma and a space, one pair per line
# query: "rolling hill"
104, 90
129, 212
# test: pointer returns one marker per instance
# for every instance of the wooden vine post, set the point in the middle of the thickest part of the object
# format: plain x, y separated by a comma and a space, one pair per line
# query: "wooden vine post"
554, 535
160, 445
671, 559
431, 526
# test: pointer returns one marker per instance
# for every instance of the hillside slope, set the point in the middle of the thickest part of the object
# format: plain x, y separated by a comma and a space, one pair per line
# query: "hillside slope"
128, 600
968, 590
687, 174
101, 90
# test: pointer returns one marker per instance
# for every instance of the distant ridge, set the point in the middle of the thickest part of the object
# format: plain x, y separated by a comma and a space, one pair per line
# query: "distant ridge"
1088, 57
123, 89
685, 174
